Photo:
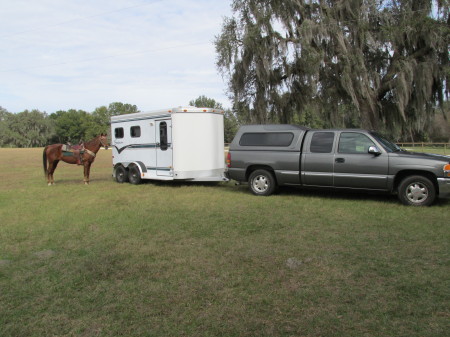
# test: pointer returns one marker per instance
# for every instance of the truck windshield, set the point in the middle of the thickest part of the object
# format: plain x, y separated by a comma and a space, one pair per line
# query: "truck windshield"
387, 145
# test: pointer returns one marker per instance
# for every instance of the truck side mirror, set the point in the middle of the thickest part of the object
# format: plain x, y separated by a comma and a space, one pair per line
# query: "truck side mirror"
373, 150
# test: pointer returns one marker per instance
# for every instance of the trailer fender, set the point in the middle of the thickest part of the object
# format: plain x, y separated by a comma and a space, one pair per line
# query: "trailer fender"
140, 165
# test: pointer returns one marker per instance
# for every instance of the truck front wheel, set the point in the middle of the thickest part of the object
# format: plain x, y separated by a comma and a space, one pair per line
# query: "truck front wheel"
417, 191
262, 182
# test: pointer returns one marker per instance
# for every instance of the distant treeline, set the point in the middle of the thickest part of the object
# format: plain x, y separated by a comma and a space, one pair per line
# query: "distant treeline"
36, 128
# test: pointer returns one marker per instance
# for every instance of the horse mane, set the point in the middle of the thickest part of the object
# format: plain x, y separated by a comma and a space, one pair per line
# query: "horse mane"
92, 141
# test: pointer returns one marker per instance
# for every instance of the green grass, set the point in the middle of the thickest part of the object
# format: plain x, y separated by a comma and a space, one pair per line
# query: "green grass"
171, 259
429, 149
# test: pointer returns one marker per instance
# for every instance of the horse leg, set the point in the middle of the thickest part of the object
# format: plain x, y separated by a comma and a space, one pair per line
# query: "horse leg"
47, 172
87, 169
51, 169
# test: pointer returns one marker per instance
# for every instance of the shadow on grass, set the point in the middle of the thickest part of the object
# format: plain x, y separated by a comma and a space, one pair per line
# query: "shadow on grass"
80, 181
318, 193
178, 184
350, 195
338, 194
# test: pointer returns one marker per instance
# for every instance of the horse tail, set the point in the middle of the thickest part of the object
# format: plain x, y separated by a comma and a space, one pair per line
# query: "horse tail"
44, 160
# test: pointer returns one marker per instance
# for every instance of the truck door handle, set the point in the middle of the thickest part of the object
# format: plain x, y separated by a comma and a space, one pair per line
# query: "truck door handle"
340, 160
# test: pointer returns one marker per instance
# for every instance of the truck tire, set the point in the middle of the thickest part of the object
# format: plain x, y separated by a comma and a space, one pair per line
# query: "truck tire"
134, 175
417, 191
262, 182
121, 174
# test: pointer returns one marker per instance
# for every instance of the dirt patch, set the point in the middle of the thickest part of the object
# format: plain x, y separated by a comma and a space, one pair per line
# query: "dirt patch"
45, 254
293, 263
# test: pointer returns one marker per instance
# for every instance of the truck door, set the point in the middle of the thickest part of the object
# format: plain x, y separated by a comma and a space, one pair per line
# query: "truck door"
355, 167
163, 147
318, 159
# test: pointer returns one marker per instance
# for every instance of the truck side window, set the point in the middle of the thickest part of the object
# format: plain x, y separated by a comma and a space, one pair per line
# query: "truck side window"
322, 142
135, 131
118, 133
353, 142
163, 136
266, 139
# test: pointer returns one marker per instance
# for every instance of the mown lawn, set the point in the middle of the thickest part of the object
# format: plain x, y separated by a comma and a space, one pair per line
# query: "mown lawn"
165, 259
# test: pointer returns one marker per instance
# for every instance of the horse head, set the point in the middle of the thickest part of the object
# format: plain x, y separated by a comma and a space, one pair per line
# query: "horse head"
104, 140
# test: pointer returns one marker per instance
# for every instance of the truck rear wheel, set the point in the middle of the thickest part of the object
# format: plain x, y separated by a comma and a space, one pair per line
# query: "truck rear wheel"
417, 191
121, 174
262, 182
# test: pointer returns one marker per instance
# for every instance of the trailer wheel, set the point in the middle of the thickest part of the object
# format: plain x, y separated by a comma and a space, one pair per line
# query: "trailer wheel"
134, 175
121, 174
262, 182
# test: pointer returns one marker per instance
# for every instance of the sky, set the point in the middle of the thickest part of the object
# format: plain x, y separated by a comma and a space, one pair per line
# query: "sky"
83, 54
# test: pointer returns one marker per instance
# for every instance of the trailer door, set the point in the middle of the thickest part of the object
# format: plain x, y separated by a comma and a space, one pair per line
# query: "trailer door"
164, 147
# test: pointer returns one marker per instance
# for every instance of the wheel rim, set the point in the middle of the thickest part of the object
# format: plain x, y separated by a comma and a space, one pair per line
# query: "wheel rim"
417, 193
120, 175
260, 183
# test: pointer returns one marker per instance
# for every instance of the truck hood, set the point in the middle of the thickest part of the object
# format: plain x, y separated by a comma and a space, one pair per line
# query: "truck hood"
420, 155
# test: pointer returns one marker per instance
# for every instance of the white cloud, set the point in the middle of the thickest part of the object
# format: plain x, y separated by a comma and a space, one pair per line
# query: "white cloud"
61, 54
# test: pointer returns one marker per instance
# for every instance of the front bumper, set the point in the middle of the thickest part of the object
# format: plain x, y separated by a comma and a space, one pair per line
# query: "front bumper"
444, 187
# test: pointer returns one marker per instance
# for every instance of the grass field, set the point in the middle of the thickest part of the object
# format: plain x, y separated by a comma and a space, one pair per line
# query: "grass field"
429, 149
164, 259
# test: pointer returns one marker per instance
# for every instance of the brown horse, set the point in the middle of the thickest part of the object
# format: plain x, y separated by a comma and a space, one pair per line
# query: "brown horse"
54, 153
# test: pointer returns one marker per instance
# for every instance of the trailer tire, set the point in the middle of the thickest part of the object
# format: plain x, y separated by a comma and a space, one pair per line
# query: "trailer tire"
134, 175
121, 174
262, 182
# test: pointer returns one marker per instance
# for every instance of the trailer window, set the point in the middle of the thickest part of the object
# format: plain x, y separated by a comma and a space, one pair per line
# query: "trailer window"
118, 133
322, 142
266, 139
163, 144
135, 131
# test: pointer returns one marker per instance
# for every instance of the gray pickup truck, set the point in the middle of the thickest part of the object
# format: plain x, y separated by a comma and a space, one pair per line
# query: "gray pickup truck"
267, 156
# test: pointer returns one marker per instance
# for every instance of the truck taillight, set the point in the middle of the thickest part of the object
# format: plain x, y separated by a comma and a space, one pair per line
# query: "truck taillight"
228, 161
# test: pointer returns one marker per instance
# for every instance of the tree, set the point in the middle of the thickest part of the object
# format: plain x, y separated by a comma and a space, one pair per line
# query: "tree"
4, 127
231, 123
385, 62
118, 108
101, 117
27, 129
71, 125
205, 102
440, 129
100, 122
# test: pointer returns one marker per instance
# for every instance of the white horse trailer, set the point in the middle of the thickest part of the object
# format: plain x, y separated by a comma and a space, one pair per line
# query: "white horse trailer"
184, 143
